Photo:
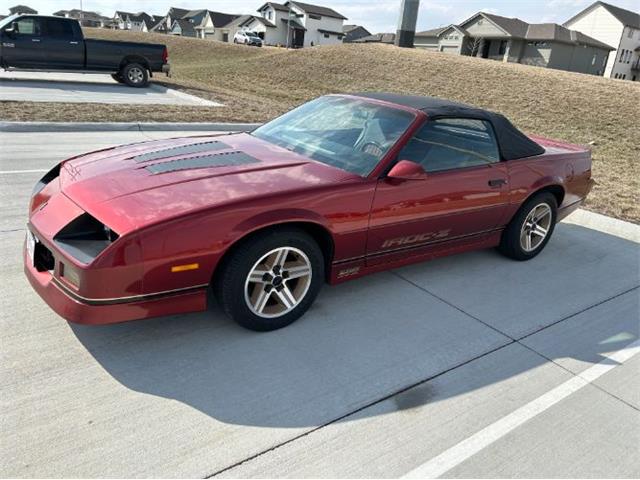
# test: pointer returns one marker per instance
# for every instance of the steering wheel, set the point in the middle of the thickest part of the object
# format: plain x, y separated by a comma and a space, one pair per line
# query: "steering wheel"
372, 148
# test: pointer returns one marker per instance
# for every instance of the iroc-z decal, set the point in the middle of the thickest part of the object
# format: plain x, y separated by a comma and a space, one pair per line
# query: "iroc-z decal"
417, 238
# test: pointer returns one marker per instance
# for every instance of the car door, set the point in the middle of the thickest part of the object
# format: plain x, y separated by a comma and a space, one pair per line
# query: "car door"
461, 198
64, 46
22, 48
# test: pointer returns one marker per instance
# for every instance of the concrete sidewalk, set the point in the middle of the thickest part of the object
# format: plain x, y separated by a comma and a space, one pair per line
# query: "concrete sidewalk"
88, 88
382, 376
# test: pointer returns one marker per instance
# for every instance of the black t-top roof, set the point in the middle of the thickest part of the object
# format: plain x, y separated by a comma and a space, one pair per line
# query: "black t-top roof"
512, 142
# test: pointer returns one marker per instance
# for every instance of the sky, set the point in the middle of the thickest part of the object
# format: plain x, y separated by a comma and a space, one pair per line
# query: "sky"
375, 15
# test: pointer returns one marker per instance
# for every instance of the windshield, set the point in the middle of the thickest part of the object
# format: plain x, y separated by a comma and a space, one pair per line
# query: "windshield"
350, 134
6, 21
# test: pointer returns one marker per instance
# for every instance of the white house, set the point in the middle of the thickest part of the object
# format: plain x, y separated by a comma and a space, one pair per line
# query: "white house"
297, 24
617, 27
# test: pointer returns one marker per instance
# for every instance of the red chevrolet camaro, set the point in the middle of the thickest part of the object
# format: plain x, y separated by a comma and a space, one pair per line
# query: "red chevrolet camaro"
340, 187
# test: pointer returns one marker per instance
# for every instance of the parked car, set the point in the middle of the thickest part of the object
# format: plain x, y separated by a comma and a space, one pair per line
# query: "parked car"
37, 42
340, 187
247, 38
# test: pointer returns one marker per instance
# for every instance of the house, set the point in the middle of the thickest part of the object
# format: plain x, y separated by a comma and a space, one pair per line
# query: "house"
354, 32
227, 32
617, 27
86, 19
209, 25
297, 24
389, 38
121, 20
184, 28
205, 24
495, 37
22, 9
168, 20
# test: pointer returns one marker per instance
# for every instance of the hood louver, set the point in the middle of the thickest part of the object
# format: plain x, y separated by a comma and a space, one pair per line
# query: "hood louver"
182, 150
227, 159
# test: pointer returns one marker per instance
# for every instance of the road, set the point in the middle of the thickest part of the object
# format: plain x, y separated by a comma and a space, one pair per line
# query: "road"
88, 88
467, 366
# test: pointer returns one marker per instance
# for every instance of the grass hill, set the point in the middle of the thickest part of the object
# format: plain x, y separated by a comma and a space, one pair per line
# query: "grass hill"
256, 84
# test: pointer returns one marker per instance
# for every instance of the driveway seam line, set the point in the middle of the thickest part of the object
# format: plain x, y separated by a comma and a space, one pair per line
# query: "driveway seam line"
421, 382
453, 306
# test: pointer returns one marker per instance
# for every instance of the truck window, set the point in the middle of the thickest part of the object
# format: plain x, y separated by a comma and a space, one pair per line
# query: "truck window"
29, 26
61, 29
449, 143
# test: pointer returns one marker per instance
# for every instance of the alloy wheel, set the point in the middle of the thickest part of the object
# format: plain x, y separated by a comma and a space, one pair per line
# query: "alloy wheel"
535, 227
278, 282
135, 75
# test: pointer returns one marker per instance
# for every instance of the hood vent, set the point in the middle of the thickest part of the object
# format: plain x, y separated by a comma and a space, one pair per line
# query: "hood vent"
182, 150
225, 159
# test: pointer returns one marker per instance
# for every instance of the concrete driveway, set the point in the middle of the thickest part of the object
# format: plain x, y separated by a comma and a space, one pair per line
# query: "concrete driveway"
88, 88
467, 366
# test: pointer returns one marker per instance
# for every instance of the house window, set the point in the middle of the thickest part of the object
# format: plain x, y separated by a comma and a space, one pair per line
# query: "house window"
621, 56
326, 35
593, 60
624, 76
269, 14
315, 17
503, 47
630, 33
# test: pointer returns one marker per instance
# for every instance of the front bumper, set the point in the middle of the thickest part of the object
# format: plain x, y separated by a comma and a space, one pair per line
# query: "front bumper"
105, 311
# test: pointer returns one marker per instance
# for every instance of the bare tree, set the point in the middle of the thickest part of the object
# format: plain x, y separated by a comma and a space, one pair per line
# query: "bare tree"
473, 45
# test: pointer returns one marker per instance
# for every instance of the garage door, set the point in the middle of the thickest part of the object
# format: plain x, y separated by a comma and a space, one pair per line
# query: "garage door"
449, 49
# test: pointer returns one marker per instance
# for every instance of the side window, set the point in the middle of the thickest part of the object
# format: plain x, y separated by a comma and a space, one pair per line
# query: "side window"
450, 143
30, 26
59, 29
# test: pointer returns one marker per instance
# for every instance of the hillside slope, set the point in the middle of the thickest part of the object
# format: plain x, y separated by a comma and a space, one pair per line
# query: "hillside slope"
257, 84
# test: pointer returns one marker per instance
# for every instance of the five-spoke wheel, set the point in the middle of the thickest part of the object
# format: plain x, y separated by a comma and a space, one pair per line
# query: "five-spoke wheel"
270, 279
278, 282
530, 229
535, 227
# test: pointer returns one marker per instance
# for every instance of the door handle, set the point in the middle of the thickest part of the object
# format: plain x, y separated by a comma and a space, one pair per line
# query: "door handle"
497, 182
73, 43
35, 40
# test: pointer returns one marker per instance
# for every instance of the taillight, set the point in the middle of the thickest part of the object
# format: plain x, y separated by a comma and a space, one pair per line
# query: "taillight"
165, 55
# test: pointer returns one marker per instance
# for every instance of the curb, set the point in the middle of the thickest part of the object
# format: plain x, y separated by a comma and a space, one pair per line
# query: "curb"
22, 127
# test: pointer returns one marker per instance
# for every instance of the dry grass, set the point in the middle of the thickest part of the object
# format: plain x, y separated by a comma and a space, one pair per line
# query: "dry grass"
257, 84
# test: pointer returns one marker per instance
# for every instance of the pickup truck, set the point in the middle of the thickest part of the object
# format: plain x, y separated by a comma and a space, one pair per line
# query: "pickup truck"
37, 42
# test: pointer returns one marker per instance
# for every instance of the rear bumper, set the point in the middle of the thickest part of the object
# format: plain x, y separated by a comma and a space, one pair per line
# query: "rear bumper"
103, 311
166, 69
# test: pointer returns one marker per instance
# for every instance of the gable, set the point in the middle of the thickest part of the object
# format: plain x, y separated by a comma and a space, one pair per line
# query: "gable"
480, 26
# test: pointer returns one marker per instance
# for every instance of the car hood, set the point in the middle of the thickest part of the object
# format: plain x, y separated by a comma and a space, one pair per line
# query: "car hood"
132, 186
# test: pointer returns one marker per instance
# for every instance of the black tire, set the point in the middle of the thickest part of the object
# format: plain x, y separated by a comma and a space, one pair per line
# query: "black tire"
229, 284
135, 75
511, 244
117, 77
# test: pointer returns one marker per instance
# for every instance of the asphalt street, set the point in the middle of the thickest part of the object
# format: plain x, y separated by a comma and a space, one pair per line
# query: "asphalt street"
467, 366
88, 88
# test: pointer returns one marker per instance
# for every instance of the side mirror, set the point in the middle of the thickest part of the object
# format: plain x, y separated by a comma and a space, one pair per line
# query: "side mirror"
407, 170
11, 30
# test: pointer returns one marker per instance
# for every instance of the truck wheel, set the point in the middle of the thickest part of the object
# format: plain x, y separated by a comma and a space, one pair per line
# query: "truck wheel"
117, 77
135, 75
531, 228
271, 280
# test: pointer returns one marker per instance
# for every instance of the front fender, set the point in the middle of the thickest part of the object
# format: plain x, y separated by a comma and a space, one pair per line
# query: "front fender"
277, 217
